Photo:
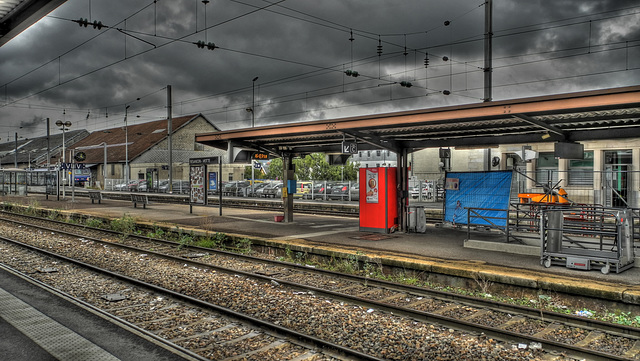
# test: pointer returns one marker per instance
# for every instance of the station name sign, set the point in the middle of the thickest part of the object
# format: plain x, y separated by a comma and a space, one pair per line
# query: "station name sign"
207, 160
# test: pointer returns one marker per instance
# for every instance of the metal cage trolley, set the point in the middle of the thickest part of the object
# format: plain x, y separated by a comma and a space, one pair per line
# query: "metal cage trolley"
587, 238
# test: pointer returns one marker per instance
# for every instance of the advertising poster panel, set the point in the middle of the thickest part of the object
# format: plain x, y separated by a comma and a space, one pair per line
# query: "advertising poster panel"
197, 190
372, 183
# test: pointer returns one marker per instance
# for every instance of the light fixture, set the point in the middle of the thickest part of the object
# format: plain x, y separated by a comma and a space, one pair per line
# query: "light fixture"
546, 135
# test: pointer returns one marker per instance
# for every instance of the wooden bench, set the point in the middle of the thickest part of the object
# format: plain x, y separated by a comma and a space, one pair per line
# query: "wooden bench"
95, 196
139, 198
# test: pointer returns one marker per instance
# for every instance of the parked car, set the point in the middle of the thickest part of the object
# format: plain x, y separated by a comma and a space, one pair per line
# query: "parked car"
124, 186
179, 186
319, 191
273, 191
133, 186
303, 188
339, 191
354, 191
257, 189
236, 189
142, 186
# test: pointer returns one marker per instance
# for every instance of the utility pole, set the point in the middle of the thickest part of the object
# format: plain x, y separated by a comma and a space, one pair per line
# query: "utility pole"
488, 36
169, 133
126, 146
48, 145
15, 155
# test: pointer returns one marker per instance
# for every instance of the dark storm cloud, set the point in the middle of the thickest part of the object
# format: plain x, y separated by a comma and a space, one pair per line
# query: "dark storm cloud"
300, 50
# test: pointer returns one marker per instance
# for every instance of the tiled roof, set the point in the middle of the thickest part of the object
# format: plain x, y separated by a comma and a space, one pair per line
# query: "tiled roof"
36, 148
141, 137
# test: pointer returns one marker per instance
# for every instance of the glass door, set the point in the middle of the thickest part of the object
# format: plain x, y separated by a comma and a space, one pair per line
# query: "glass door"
616, 178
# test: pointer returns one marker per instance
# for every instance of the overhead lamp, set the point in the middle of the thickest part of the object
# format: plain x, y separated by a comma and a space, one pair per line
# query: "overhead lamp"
546, 135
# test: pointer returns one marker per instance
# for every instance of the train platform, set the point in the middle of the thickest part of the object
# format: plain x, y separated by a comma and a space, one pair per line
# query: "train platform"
37, 324
442, 249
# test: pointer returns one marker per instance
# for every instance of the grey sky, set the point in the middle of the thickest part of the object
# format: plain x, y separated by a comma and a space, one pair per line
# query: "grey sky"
300, 51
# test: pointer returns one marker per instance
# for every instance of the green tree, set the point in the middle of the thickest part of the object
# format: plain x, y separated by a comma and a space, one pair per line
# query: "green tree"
275, 169
314, 167
257, 173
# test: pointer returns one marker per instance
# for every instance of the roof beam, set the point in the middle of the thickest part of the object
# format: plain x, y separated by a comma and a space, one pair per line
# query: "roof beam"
541, 124
254, 146
27, 13
386, 144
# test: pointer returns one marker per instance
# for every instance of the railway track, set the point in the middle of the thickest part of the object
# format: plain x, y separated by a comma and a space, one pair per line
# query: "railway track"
206, 330
524, 327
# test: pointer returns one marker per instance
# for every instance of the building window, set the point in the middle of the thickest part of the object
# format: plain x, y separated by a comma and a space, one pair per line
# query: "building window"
230, 177
378, 152
547, 169
581, 170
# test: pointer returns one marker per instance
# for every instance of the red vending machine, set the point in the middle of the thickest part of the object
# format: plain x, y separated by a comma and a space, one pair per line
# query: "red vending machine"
378, 200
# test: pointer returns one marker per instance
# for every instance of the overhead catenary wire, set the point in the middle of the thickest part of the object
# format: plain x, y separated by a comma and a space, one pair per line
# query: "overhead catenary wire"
326, 68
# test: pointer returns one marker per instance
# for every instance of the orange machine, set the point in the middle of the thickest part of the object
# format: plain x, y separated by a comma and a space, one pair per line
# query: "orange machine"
557, 197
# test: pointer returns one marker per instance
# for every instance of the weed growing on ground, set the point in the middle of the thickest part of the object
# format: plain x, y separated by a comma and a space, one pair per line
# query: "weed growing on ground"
53, 214
157, 232
94, 223
125, 225
483, 283
243, 245
33, 208
185, 240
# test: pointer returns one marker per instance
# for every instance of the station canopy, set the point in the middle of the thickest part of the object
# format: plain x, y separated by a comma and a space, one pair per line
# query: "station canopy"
17, 15
573, 117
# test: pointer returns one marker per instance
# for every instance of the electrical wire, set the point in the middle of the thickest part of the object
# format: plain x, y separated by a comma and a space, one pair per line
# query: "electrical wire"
327, 69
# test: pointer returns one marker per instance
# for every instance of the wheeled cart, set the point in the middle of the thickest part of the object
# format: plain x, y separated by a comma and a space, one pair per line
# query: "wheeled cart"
587, 238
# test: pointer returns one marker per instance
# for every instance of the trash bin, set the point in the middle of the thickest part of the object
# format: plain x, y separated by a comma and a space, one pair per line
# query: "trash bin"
420, 219
412, 219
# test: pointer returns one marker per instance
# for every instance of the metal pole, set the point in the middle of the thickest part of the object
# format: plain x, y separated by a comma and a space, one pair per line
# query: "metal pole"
253, 99
48, 146
126, 146
253, 175
169, 136
488, 35
64, 150
15, 155
220, 184
73, 175
104, 167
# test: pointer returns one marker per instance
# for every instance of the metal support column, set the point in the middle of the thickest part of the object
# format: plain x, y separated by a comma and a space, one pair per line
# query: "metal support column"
403, 190
169, 136
287, 199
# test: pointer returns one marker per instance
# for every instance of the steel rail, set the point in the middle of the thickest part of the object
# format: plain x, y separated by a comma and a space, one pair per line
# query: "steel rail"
470, 300
280, 330
168, 345
505, 335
